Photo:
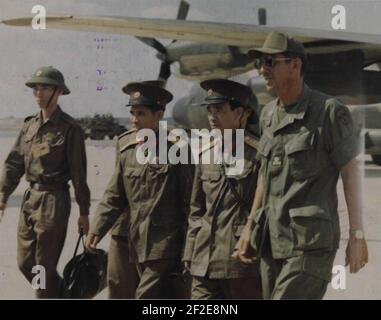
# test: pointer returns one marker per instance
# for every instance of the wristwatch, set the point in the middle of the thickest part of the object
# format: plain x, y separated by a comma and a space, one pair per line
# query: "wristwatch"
358, 234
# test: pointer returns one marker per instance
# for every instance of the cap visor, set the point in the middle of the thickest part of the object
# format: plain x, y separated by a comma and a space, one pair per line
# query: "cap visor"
256, 53
213, 101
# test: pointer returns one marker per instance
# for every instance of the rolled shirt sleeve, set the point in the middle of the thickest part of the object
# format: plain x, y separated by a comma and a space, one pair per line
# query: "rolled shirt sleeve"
343, 141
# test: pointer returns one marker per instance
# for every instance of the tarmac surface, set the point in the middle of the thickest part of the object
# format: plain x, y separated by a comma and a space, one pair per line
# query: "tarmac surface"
364, 285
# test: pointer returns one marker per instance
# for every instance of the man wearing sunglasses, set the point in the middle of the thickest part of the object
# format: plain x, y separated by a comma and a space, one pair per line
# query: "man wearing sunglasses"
307, 141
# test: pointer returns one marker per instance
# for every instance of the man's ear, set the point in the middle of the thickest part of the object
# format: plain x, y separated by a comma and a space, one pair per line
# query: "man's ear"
245, 116
239, 111
298, 64
248, 112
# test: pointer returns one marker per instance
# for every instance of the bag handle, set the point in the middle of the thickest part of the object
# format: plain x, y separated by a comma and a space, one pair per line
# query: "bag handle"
80, 237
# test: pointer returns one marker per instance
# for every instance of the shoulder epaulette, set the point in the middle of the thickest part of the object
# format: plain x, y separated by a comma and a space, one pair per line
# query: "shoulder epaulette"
126, 133
126, 141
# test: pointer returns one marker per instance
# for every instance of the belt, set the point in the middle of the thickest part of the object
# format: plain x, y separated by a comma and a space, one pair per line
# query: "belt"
49, 187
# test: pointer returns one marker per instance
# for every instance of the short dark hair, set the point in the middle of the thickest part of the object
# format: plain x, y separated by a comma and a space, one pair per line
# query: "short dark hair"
251, 119
234, 104
155, 109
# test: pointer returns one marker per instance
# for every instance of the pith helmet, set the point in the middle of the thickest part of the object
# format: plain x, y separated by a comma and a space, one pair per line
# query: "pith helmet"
49, 76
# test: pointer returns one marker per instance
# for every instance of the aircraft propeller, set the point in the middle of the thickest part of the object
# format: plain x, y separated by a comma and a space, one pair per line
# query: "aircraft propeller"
165, 70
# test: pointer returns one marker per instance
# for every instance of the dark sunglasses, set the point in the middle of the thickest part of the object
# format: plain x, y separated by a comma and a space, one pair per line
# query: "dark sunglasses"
268, 61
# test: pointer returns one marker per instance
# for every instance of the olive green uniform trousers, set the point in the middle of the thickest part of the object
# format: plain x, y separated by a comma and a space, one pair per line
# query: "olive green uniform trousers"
122, 275
40, 238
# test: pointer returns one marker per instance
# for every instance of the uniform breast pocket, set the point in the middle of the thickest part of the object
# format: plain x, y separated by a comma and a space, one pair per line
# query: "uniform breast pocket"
302, 156
30, 133
55, 148
241, 169
264, 150
264, 147
241, 184
157, 171
311, 228
210, 181
131, 174
51, 151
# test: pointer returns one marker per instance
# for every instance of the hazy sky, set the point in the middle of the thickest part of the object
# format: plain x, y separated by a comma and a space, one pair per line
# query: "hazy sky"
125, 59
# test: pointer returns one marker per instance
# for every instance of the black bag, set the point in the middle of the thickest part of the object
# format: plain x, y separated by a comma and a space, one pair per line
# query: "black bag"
84, 276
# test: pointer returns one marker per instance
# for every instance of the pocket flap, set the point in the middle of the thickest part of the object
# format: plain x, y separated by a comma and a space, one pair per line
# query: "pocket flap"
313, 211
57, 140
132, 172
301, 142
211, 175
158, 168
245, 172
196, 223
29, 136
264, 146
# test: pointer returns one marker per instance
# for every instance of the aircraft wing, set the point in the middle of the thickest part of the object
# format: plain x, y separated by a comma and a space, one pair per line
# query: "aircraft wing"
242, 35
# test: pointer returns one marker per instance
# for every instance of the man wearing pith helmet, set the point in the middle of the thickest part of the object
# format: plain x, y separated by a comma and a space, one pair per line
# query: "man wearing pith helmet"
50, 151
221, 199
308, 140
156, 196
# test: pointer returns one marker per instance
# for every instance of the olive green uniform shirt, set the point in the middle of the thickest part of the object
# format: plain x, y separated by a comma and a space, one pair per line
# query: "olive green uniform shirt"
218, 215
52, 152
157, 197
301, 158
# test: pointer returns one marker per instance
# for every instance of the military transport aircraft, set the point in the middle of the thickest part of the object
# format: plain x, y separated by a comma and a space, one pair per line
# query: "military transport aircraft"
341, 63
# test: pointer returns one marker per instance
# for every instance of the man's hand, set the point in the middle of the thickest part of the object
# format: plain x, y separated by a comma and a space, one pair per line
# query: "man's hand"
243, 251
92, 241
356, 254
83, 224
357, 251
2, 209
